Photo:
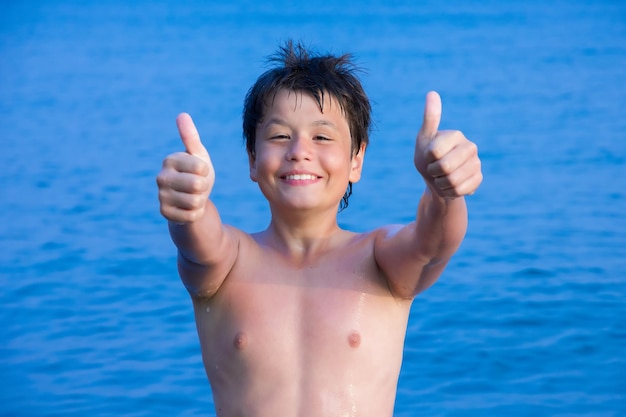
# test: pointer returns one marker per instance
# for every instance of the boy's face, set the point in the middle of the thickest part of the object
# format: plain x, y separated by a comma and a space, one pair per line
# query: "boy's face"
303, 156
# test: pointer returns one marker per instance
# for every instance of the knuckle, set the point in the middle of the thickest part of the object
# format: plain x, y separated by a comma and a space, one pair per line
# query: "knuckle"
198, 166
433, 170
479, 179
198, 184
454, 179
161, 180
184, 216
472, 150
169, 214
444, 166
171, 160
184, 202
191, 202
442, 182
436, 152
199, 201
475, 166
458, 136
203, 168
162, 196
194, 215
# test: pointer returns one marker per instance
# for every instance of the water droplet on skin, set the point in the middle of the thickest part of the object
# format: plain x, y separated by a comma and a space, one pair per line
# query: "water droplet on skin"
208, 309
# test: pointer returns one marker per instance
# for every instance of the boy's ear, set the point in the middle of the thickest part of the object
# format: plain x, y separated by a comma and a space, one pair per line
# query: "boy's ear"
252, 163
356, 164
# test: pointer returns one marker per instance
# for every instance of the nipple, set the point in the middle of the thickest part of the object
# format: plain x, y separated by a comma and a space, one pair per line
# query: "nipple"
241, 340
354, 339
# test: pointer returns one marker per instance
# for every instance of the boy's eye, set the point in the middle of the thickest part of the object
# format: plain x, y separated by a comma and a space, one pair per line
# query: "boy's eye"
321, 138
279, 136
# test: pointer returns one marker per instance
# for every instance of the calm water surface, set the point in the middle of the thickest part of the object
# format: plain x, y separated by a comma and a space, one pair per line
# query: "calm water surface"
528, 320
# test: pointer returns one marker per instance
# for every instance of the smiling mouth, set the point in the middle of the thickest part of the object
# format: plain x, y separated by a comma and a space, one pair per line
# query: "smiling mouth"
300, 177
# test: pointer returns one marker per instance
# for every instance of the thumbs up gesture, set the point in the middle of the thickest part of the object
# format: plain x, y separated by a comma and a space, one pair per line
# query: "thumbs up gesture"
446, 159
186, 179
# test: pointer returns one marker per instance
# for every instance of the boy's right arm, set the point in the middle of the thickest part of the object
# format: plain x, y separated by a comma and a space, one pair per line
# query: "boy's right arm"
207, 249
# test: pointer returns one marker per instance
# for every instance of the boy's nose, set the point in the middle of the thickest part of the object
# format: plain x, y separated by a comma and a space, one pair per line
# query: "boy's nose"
299, 149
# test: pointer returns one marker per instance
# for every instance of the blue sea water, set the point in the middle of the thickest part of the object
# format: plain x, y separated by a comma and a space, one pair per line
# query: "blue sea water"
529, 319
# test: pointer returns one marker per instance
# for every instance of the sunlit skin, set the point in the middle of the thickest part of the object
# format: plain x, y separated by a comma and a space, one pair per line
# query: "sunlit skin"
304, 318
303, 162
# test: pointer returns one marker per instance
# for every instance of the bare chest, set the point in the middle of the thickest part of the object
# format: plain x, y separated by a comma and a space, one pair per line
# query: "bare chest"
328, 310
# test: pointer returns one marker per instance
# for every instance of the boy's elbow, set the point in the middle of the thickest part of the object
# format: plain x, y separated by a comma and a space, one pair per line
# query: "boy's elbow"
199, 280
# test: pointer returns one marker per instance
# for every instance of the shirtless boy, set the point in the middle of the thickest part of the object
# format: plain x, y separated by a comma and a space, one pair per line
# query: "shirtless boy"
304, 318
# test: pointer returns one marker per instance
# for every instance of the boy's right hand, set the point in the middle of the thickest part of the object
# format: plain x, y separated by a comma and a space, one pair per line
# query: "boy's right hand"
186, 179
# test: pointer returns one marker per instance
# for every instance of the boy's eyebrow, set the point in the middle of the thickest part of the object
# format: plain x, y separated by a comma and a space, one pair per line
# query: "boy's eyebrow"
275, 121
281, 122
323, 122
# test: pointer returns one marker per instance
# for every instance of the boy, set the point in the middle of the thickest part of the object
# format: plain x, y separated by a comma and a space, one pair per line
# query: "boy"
304, 318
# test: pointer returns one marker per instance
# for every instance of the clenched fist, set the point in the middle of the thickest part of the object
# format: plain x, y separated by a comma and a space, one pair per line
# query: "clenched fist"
186, 179
446, 159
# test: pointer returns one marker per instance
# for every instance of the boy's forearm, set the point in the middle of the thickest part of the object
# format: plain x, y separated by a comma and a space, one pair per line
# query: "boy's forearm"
199, 241
441, 224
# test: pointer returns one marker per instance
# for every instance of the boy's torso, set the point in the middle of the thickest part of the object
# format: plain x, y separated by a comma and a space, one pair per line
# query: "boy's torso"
323, 338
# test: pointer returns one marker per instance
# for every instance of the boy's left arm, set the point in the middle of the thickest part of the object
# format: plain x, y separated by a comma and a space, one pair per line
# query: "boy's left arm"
413, 257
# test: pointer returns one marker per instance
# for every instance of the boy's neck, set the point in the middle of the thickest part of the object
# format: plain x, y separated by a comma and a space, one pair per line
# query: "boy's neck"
302, 238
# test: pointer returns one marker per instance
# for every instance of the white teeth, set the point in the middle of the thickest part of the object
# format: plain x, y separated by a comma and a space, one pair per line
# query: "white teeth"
300, 177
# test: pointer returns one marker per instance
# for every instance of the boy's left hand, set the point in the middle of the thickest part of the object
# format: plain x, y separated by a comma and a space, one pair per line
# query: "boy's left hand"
446, 159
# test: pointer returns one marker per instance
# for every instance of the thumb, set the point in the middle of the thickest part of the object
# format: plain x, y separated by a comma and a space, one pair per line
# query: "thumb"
432, 116
190, 137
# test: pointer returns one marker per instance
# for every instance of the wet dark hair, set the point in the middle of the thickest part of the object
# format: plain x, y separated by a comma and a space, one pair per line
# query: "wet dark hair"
298, 69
